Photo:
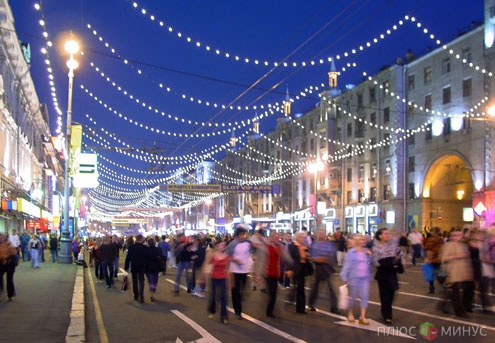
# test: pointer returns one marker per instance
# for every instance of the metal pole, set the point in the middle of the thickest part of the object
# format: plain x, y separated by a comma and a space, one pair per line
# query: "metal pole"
65, 255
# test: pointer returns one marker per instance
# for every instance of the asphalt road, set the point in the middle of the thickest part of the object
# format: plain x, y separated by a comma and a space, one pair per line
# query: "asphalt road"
113, 316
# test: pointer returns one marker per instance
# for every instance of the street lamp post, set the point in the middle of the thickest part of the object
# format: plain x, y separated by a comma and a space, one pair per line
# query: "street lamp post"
65, 256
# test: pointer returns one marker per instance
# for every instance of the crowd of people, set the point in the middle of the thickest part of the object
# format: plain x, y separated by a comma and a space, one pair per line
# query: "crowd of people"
462, 261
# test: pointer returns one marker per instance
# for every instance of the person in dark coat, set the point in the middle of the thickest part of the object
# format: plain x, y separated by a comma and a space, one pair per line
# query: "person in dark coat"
299, 270
108, 252
154, 264
387, 256
136, 259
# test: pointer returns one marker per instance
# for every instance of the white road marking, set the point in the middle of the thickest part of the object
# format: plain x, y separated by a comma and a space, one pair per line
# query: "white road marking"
102, 332
269, 328
205, 336
259, 323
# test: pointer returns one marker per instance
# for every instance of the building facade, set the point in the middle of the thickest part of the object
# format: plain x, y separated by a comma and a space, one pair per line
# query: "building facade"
408, 147
28, 160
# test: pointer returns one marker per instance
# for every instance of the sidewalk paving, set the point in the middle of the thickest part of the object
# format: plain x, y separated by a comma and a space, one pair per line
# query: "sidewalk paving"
48, 306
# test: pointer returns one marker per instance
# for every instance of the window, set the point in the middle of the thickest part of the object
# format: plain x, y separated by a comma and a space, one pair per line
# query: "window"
411, 139
349, 197
373, 194
349, 130
445, 66
387, 192
349, 174
466, 56
428, 134
385, 88
446, 95
411, 194
323, 139
374, 170
360, 101
388, 167
466, 88
446, 126
427, 75
360, 196
411, 164
410, 109
372, 94
373, 118
361, 173
428, 102
410, 82
359, 125
386, 114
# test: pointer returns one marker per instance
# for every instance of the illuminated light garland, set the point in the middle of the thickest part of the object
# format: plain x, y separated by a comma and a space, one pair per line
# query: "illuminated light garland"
204, 155
150, 157
139, 72
147, 159
464, 61
190, 158
45, 51
255, 61
111, 188
302, 94
181, 96
468, 113
156, 130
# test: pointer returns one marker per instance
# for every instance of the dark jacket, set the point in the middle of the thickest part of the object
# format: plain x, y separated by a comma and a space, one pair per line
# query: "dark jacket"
297, 267
53, 243
108, 252
154, 260
136, 258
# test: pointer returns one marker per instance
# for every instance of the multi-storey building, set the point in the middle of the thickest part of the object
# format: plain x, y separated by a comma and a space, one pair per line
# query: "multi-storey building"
28, 163
410, 146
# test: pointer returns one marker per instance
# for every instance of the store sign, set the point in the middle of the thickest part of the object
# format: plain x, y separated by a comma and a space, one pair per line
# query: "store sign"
28, 208
86, 175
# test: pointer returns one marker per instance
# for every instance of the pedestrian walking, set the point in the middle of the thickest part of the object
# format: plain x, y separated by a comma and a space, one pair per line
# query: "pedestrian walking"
53, 243
241, 265
15, 241
165, 248
416, 243
34, 246
272, 269
9, 259
433, 247
457, 262
387, 256
301, 268
107, 256
217, 264
136, 259
116, 262
25, 238
356, 273
324, 255
183, 254
153, 266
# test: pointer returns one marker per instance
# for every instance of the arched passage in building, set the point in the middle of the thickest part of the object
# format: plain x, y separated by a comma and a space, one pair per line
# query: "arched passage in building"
447, 191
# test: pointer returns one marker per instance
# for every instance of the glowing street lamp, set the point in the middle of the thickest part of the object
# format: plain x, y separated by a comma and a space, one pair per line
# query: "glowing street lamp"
65, 256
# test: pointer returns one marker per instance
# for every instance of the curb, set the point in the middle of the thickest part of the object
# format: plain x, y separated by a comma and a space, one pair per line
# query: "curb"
77, 327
